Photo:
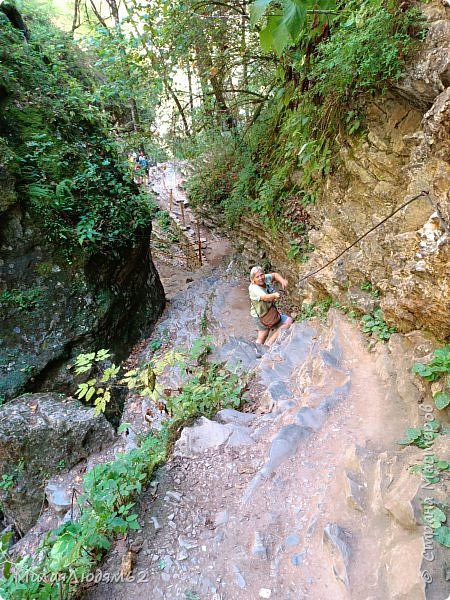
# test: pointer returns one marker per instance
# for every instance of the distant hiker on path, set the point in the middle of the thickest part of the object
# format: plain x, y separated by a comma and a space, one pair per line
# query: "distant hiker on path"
131, 164
263, 310
143, 168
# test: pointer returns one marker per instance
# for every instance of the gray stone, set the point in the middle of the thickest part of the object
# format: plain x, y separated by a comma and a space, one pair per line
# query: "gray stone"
312, 418
175, 495
292, 540
335, 538
354, 491
238, 577
221, 518
234, 417
297, 559
259, 549
203, 435
239, 437
206, 434
37, 433
57, 497
186, 544
278, 390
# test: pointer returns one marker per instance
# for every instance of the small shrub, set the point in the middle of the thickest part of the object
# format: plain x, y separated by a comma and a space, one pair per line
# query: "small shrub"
376, 325
437, 369
421, 437
431, 469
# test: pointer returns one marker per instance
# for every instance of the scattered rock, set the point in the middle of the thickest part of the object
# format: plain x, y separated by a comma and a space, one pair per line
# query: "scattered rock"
336, 540
238, 577
221, 518
297, 559
265, 593
57, 497
292, 540
354, 491
400, 500
137, 544
175, 495
259, 549
186, 544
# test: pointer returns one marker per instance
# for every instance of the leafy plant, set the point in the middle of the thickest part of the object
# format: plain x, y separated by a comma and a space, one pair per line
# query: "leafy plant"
366, 286
316, 310
7, 481
420, 436
442, 535
431, 468
21, 299
435, 517
299, 250
99, 387
155, 345
437, 369
376, 325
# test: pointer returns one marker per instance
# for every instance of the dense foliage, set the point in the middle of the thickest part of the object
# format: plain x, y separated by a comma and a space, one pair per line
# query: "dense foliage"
55, 140
327, 71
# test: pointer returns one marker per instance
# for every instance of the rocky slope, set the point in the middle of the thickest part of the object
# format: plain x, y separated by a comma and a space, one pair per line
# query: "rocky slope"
310, 497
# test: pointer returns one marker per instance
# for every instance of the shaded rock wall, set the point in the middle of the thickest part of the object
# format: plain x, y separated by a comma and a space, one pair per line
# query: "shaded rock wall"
406, 151
58, 306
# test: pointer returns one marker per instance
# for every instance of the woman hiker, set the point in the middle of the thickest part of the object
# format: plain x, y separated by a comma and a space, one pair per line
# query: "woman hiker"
262, 297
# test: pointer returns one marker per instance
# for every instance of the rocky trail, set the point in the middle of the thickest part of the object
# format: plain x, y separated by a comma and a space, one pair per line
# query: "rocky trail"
306, 494
309, 496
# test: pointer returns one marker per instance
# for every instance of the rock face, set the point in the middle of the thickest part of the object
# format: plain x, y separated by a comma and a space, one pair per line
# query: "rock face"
40, 434
63, 292
52, 308
406, 151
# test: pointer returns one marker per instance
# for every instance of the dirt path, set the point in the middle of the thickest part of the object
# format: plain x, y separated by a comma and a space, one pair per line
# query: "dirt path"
290, 502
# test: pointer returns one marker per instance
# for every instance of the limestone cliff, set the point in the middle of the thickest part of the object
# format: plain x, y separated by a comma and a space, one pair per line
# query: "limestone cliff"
406, 150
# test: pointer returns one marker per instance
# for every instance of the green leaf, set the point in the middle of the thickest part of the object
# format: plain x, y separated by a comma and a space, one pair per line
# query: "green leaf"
293, 17
123, 427
441, 400
257, 9
275, 35
81, 390
102, 354
90, 393
422, 370
442, 535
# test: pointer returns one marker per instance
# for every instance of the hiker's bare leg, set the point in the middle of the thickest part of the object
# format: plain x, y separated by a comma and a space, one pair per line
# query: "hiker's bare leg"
274, 336
262, 336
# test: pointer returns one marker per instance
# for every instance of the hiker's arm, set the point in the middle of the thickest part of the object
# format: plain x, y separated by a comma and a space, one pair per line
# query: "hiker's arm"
281, 280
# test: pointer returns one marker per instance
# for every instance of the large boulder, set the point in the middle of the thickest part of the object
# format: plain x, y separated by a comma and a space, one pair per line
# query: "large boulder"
40, 434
